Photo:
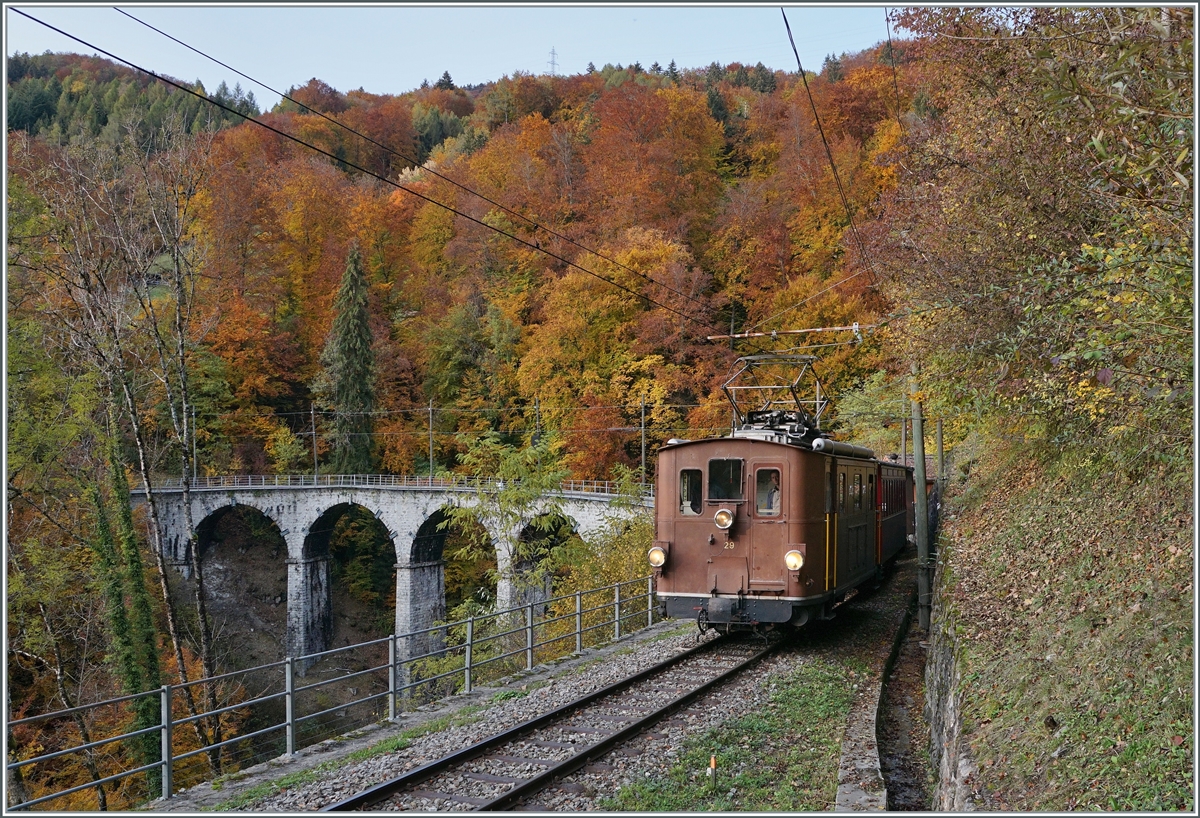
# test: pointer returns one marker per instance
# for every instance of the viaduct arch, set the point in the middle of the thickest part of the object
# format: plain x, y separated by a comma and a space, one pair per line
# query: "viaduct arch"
304, 511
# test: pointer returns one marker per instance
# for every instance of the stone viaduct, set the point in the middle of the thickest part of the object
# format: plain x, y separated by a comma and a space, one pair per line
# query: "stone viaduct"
305, 509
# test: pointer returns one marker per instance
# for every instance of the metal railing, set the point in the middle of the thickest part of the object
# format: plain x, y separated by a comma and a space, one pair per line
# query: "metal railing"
266, 712
445, 483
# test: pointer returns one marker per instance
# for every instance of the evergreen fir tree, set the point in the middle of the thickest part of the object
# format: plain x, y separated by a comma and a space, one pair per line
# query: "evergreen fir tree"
673, 72
832, 68
445, 83
349, 363
762, 79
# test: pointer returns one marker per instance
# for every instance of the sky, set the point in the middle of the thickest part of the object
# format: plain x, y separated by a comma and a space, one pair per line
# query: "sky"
392, 48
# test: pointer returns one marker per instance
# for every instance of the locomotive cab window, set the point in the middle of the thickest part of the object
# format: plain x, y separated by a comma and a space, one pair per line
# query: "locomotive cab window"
689, 492
767, 492
725, 480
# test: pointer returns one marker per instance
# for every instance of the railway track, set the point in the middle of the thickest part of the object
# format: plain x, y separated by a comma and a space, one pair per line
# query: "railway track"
510, 768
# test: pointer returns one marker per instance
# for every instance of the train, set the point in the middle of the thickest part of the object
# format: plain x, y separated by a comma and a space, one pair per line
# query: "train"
772, 525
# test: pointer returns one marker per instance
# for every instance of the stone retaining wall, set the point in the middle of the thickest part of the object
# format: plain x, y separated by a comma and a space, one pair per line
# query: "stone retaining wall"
958, 786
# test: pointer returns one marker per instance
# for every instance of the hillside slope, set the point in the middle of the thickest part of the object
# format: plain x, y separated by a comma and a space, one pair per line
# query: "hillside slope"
1067, 595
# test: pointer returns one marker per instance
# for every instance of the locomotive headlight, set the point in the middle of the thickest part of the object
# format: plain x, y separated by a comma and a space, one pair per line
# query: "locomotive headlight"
657, 556
723, 518
794, 560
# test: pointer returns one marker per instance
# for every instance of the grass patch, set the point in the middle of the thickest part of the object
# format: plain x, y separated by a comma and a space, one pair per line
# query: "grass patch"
505, 695
1073, 596
784, 757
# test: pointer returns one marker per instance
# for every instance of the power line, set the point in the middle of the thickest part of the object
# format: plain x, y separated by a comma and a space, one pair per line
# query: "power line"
536, 225
892, 54
532, 245
828, 151
837, 181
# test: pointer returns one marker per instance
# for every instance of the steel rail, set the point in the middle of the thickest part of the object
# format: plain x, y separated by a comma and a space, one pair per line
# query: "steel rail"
381, 791
386, 789
604, 746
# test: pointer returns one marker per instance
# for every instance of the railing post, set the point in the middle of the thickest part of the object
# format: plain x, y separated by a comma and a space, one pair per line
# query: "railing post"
392, 678
617, 611
467, 657
289, 704
166, 741
579, 621
529, 636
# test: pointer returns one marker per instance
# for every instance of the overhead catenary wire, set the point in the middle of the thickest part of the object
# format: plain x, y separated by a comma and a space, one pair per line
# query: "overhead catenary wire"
536, 225
531, 245
841, 193
892, 54
828, 151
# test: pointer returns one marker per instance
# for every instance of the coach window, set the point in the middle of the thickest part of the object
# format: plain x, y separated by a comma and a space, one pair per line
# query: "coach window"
857, 492
870, 491
689, 492
725, 479
767, 492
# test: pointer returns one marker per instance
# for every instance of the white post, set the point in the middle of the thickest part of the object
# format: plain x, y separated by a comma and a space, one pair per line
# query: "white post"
392, 678
166, 742
579, 621
289, 708
617, 611
529, 636
467, 659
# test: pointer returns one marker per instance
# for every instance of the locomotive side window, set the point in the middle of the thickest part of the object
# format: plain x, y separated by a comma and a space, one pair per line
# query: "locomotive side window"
828, 490
725, 480
767, 492
689, 492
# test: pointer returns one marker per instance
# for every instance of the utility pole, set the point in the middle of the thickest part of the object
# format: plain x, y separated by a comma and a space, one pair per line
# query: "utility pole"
922, 512
643, 441
941, 460
313, 407
537, 426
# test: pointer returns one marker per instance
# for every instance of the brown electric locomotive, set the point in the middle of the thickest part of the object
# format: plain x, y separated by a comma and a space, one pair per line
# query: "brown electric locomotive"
775, 523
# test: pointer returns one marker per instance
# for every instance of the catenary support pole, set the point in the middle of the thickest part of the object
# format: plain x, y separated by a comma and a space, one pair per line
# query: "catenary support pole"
643, 440
941, 460
313, 407
922, 513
